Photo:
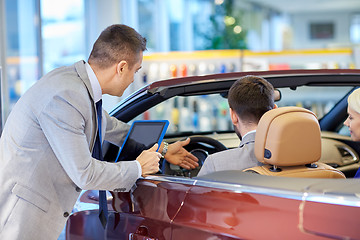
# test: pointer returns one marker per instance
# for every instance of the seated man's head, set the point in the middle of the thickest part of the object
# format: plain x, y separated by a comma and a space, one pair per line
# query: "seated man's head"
249, 98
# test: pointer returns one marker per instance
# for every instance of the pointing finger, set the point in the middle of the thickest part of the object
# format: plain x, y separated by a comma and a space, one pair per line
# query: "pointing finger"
154, 148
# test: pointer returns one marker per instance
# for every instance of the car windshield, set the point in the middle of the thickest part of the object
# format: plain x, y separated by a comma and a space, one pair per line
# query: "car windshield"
210, 113
203, 113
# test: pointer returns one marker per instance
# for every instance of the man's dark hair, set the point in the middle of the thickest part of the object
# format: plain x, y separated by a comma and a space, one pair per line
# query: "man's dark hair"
116, 43
250, 97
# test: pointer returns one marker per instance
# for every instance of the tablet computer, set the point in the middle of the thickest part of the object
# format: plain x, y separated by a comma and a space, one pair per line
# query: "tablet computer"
144, 134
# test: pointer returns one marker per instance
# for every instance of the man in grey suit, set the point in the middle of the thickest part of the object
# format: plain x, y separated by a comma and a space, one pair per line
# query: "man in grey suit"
249, 98
47, 143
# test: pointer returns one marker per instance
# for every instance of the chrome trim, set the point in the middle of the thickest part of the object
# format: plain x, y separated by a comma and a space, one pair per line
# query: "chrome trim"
251, 189
354, 158
181, 180
329, 198
351, 201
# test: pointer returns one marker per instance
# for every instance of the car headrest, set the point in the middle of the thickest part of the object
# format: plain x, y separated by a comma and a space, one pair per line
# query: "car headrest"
288, 136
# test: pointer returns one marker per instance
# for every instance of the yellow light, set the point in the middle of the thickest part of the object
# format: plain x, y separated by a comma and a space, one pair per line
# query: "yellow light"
229, 20
219, 2
237, 29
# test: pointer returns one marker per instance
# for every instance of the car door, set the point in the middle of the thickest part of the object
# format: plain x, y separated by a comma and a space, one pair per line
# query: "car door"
223, 213
153, 205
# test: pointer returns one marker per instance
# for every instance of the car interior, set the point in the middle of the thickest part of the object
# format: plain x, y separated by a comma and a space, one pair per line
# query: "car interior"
192, 115
337, 149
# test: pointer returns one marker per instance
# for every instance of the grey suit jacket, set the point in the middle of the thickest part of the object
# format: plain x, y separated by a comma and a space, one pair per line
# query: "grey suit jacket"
233, 159
45, 155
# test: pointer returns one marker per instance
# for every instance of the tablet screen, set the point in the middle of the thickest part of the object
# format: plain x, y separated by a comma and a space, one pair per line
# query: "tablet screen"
142, 135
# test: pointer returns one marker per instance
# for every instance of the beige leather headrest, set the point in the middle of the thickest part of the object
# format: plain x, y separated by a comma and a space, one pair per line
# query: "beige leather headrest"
288, 136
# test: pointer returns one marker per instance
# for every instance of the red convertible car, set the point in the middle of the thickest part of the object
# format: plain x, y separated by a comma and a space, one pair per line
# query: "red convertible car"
176, 204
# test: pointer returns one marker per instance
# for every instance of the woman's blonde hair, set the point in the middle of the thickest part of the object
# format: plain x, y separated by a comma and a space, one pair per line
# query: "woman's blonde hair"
354, 100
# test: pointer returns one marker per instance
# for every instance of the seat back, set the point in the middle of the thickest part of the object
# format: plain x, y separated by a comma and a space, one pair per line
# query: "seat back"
288, 142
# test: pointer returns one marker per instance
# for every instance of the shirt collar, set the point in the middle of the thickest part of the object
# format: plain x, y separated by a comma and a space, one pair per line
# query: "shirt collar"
248, 133
95, 85
246, 141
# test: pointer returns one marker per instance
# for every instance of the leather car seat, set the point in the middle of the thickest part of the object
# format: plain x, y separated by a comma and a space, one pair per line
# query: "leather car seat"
288, 142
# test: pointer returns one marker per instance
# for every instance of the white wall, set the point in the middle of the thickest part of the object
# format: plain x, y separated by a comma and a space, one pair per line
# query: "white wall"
98, 16
2, 62
301, 29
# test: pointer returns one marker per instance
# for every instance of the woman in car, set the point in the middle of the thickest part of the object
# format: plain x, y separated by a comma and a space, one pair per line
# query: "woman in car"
353, 120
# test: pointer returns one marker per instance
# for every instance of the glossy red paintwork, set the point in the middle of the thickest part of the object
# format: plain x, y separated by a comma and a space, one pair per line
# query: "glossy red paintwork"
331, 220
164, 210
150, 214
230, 215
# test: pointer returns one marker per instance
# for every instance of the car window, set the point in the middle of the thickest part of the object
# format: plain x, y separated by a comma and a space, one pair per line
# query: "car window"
344, 130
319, 100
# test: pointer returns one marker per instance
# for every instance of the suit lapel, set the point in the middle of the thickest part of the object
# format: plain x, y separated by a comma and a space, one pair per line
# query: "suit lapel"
81, 71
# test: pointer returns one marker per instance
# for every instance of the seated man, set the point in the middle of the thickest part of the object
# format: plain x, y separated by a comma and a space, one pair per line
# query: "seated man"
249, 98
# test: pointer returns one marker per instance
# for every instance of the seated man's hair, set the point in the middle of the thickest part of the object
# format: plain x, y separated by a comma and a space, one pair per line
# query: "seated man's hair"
250, 97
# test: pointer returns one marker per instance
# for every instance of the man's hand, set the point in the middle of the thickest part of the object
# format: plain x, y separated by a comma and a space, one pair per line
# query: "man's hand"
178, 155
149, 161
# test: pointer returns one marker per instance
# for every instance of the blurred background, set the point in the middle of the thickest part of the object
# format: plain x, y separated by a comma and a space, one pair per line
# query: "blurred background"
185, 37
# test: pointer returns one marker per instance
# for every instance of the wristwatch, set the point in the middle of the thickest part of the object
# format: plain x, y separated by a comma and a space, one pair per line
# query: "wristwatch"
165, 148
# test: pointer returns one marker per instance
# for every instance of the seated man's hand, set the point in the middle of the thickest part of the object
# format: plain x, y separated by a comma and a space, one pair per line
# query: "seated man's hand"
149, 161
178, 155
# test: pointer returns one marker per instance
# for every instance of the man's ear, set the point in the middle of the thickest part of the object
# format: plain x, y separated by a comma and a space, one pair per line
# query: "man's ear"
234, 117
121, 66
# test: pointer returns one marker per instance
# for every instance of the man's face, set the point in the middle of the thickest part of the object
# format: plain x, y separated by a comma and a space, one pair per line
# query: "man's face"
353, 123
125, 77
